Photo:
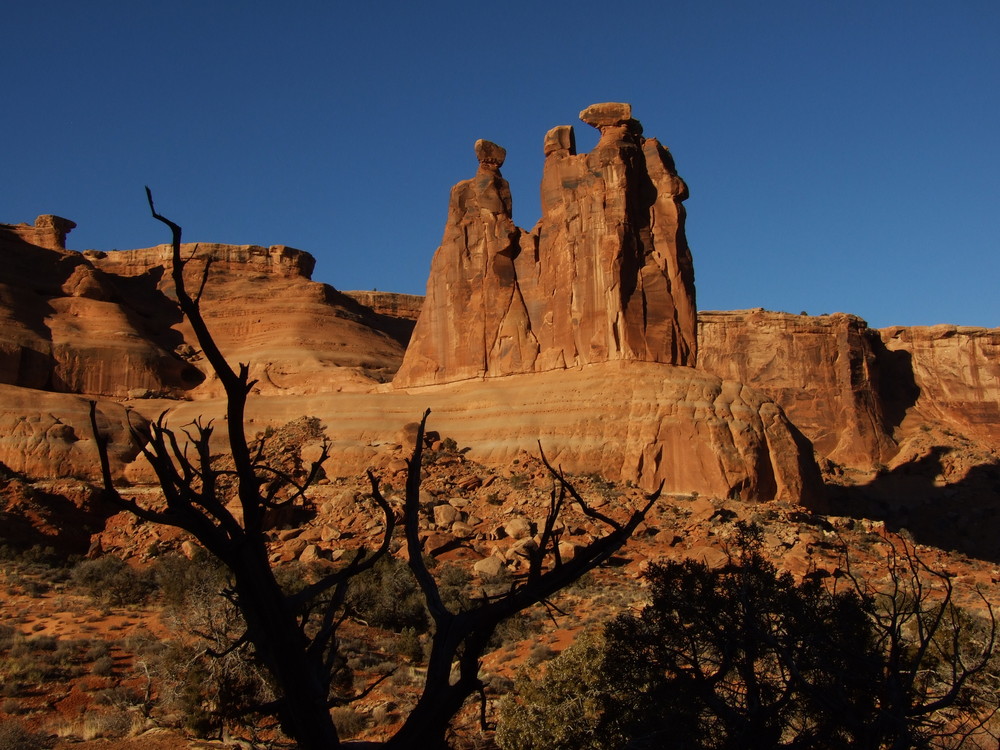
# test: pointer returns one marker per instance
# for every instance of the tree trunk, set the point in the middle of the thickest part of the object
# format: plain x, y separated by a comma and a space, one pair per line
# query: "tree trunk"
281, 646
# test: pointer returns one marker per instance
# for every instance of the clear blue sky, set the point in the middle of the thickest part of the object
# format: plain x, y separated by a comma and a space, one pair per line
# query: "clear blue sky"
841, 156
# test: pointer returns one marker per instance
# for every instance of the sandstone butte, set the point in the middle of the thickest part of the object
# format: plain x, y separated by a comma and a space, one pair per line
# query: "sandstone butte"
605, 275
603, 390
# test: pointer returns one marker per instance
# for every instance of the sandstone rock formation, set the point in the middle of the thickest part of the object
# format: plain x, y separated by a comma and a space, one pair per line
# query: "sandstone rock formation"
858, 393
605, 275
954, 375
298, 335
822, 371
63, 326
48, 231
105, 323
47, 435
628, 421
391, 304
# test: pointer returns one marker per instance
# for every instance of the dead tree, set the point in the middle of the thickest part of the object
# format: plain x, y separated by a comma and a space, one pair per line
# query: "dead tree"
294, 636
933, 654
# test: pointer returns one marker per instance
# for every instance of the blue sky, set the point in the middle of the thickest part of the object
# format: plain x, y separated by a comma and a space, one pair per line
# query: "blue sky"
841, 156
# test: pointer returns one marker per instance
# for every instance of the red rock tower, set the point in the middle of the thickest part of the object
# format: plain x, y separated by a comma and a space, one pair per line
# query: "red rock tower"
606, 274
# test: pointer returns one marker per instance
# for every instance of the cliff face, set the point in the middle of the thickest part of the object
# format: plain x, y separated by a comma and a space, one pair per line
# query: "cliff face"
822, 371
65, 328
605, 275
857, 393
299, 335
106, 324
953, 374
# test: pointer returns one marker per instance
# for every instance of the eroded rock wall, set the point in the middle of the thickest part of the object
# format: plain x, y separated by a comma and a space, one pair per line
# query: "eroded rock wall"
298, 335
953, 374
107, 323
858, 393
64, 327
822, 370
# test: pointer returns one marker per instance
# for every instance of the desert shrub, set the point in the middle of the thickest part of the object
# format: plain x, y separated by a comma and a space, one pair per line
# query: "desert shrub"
113, 582
7, 637
406, 643
744, 656
514, 629
14, 736
540, 653
96, 650
454, 584
566, 708
350, 723
387, 596
103, 666
181, 580
43, 643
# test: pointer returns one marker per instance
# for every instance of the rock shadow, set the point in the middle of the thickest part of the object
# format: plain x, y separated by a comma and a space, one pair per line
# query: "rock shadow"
154, 315
963, 516
896, 387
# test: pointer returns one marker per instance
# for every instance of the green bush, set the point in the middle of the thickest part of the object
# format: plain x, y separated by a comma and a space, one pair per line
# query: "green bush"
745, 657
566, 708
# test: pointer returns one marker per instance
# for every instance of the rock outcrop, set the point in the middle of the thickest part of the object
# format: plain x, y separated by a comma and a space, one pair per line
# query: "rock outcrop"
392, 304
953, 374
48, 435
298, 335
48, 231
106, 323
628, 421
605, 275
823, 371
64, 326
859, 393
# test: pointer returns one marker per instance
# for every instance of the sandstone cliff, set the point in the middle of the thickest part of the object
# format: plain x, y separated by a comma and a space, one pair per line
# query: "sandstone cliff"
628, 421
857, 393
300, 336
605, 275
64, 327
953, 373
106, 324
822, 371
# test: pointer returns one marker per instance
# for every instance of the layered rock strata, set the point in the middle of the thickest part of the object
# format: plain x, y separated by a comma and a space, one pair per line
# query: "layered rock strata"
626, 421
858, 393
298, 335
605, 275
954, 374
107, 324
64, 326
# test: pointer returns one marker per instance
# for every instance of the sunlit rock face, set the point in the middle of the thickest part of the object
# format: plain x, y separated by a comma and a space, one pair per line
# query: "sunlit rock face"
605, 275
826, 373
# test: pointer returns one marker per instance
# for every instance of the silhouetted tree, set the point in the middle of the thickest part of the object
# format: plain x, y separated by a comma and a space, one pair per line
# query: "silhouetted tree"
744, 657
294, 635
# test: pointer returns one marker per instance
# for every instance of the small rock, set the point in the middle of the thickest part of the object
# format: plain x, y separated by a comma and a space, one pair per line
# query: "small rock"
490, 154
445, 515
311, 553
606, 114
517, 528
489, 566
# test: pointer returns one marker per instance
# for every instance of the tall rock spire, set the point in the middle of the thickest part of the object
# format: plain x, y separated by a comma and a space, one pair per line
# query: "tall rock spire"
605, 275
